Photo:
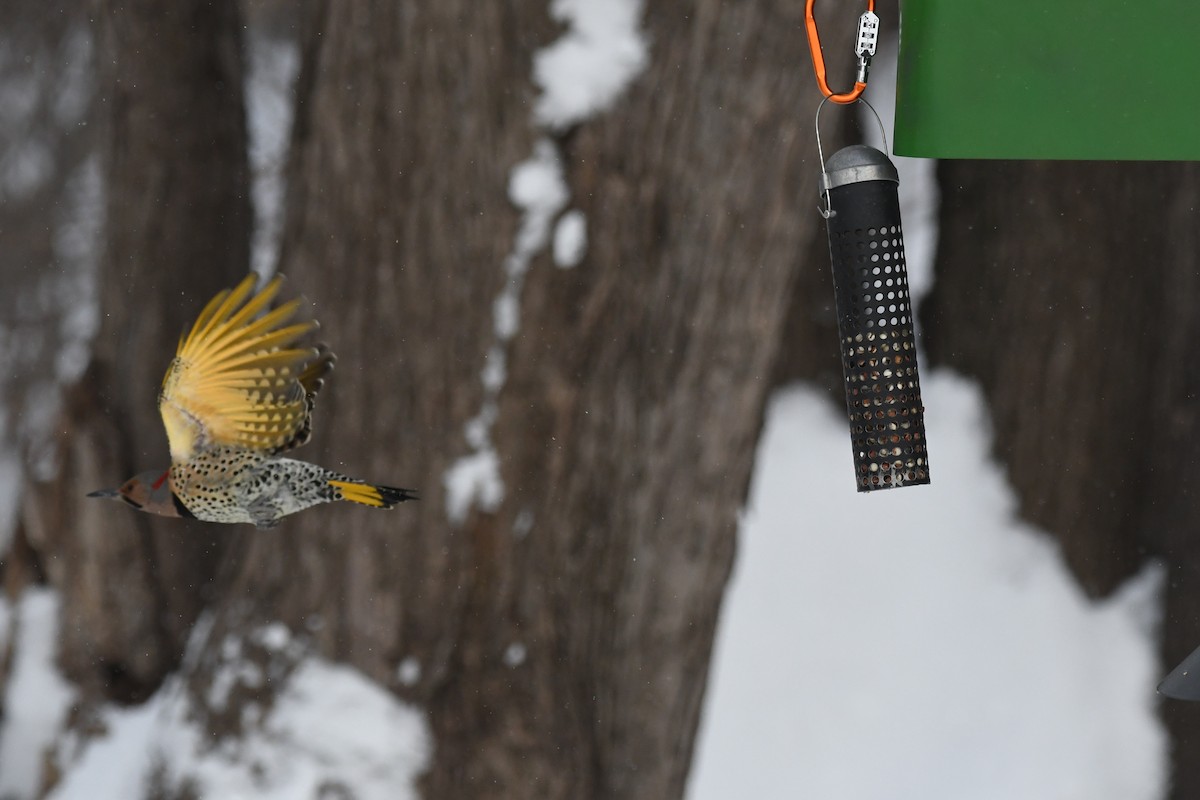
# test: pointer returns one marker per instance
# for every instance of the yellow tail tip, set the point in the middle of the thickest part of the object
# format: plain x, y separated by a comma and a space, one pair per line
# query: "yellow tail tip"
374, 496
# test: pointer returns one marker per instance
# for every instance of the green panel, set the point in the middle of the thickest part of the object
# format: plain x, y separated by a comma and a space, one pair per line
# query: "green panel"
1049, 79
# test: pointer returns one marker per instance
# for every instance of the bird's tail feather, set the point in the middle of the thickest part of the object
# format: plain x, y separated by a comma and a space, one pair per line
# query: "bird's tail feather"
367, 494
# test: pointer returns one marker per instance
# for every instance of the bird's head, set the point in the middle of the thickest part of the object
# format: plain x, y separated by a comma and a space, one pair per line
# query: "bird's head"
146, 491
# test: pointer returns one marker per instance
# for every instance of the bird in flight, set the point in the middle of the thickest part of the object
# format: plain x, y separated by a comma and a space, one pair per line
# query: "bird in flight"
238, 394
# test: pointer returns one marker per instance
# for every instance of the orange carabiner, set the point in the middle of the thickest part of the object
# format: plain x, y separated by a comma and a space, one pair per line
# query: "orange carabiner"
864, 57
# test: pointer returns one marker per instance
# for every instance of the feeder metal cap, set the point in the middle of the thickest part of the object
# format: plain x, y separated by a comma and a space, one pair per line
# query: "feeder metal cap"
856, 164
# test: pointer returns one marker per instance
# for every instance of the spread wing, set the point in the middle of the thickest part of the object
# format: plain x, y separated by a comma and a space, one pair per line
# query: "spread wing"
240, 377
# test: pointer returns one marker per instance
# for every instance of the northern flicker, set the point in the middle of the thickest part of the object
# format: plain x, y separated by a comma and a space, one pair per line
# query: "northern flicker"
237, 395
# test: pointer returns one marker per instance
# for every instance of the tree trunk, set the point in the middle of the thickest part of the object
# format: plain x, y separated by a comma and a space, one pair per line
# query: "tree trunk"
560, 637
1068, 291
1171, 507
177, 222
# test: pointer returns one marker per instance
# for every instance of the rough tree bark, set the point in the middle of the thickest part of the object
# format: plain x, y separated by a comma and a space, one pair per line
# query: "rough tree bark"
635, 387
1069, 291
177, 211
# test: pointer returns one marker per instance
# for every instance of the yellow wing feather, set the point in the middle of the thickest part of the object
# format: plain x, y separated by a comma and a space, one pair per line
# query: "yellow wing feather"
236, 377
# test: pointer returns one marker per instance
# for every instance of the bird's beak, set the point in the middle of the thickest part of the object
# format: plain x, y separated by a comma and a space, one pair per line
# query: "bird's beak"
112, 494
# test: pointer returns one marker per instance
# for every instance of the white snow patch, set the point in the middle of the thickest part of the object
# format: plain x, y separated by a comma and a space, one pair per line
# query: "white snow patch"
198, 640
40, 413
332, 715
5, 626
77, 246
49, 342
25, 168
77, 82
273, 67
473, 480
231, 648
11, 477
514, 655
230, 675
570, 239
20, 89
235, 669
274, 636
120, 763
478, 429
922, 642
493, 376
330, 733
408, 671
537, 188
37, 698
590, 66
523, 524
506, 314
580, 74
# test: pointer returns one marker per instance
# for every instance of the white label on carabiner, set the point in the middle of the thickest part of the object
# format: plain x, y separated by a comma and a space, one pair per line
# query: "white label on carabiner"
868, 34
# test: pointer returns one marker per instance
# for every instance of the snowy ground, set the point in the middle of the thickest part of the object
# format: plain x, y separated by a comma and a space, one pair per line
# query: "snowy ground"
919, 643
331, 733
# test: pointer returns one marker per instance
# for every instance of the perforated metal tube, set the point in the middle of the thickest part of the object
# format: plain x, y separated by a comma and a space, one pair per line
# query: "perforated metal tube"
879, 356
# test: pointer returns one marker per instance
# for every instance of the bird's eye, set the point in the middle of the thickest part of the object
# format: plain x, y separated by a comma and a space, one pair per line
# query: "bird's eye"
133, 503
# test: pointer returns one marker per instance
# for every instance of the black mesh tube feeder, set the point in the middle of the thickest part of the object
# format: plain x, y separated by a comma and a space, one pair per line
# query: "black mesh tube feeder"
875, 325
